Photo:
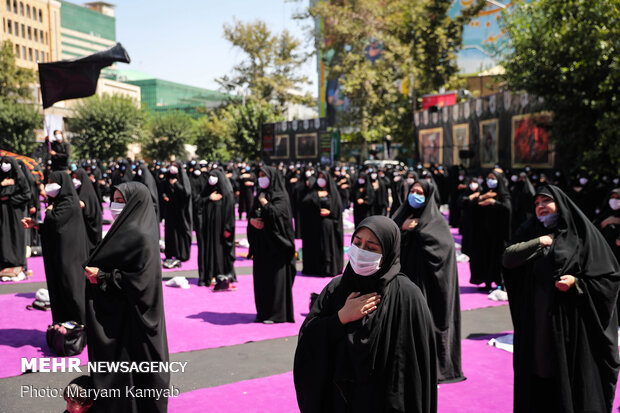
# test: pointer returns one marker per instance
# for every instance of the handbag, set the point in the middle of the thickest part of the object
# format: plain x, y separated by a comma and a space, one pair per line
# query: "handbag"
66, 339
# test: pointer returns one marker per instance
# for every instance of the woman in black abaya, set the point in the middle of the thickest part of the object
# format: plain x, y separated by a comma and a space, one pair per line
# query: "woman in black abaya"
363, 198
125, 308
14, 198
323, 247
429, 260
216, 234
368, 343
91, 208
145, 177
178, 229
64, 244
562, 282
272, 247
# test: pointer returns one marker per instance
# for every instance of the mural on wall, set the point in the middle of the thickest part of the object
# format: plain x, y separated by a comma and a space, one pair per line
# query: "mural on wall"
489, 133
280, 150
530, 141
431, 144
306, 145
460, 142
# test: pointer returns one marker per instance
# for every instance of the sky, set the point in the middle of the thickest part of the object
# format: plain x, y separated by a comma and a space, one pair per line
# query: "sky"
182, 41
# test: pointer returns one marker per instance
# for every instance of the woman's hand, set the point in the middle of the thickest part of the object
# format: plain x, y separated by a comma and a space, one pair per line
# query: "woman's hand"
324, 212
262, 199
360, 201
27, 223
215, 196
82, 204
610, 221
227, 234
7, 182
257, 223
410, 223
474, 196
565, 283
358, 306
91, 274
323, 194
546, 240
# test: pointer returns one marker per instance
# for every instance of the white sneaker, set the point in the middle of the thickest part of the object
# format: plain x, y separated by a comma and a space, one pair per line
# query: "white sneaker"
243, 243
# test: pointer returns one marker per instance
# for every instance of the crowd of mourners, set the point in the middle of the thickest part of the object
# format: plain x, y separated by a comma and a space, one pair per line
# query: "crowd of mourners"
384, 333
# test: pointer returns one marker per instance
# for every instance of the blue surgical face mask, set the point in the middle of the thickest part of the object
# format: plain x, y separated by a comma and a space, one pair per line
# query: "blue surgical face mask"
549, 221
492, 183
416, 200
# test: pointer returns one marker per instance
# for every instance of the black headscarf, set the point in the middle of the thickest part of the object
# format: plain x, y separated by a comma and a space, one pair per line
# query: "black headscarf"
144, 176
382, 362
92, 209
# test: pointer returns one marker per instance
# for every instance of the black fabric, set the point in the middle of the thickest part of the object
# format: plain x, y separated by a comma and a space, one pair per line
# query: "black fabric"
71, 79
125, 309
63, 238
178, 214
365, 192
569, 337
92, 209
13, 203
246, 191
429, 260
323, 245
381, 196
273, 251
522, 201
144, 176
384, 362
490, 234
216, 253
399, 193
60, 161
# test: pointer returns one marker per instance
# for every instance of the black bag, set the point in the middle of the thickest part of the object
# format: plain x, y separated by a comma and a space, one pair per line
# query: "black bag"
66, 339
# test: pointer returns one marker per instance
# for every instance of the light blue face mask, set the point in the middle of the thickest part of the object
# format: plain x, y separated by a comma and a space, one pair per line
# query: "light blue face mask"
549, 221
416, 200
492, 183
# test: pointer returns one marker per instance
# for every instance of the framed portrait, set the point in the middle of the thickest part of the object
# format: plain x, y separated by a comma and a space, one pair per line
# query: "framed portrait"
306, 145
489, 145
530, 141
281, 147
431, 146
460, 142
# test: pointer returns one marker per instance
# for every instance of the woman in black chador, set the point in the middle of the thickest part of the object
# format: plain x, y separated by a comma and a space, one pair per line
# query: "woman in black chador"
363, 198
562, 282
491, 214
321, 211
429, 259
368, 343
178, 229
216, 234
91, 208
125, 307
272, 246
14, 198
64, 243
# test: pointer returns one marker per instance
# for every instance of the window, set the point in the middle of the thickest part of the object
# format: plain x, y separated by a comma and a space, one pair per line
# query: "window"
15, 6
41, 35
16, 28
21, 8
24, 52
36, 55
34, 12
28, 11
17, 50
36, 35
29, 33
9, 27
40, 16
30, 54
8, 5
23, 31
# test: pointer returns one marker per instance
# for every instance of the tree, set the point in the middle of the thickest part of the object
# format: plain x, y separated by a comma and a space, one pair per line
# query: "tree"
373, 48
14, 81
104, 126
272, 64
168, 134
213, 135
567, 52
246, 122
17, 125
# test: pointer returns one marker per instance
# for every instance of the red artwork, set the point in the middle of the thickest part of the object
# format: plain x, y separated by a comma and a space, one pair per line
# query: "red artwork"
530, 140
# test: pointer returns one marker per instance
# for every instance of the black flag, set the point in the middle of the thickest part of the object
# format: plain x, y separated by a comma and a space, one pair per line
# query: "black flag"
71, 79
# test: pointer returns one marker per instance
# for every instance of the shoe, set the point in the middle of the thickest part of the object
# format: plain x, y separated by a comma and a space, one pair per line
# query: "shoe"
268, 321
176, 263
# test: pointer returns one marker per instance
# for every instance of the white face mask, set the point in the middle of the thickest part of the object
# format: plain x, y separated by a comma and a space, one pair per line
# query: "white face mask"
410, 181
263, 182
583, 181
52, 189
174, 170
373, 176
77, 183
213, 180
6, 167
397, 178
514, 178
197, 172
461, 177
473, 186
116, 208
139, 172
614, 203
58, 137
308, 174
364, 263
321, 182
361, 181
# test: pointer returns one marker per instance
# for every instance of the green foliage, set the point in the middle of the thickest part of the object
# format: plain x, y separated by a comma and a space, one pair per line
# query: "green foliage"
213, 134
14, 81
272, 64
104, 126
17, 125
568, 53
168, 133
375, 47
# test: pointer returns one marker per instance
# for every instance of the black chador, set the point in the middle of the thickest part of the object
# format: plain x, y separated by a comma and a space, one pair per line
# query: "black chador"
91, 211
216, 234
321, 212
63, 239
14, 197
178, 229
125, 309
144, 176
247, 181
364, 191
428, 258
272, 247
